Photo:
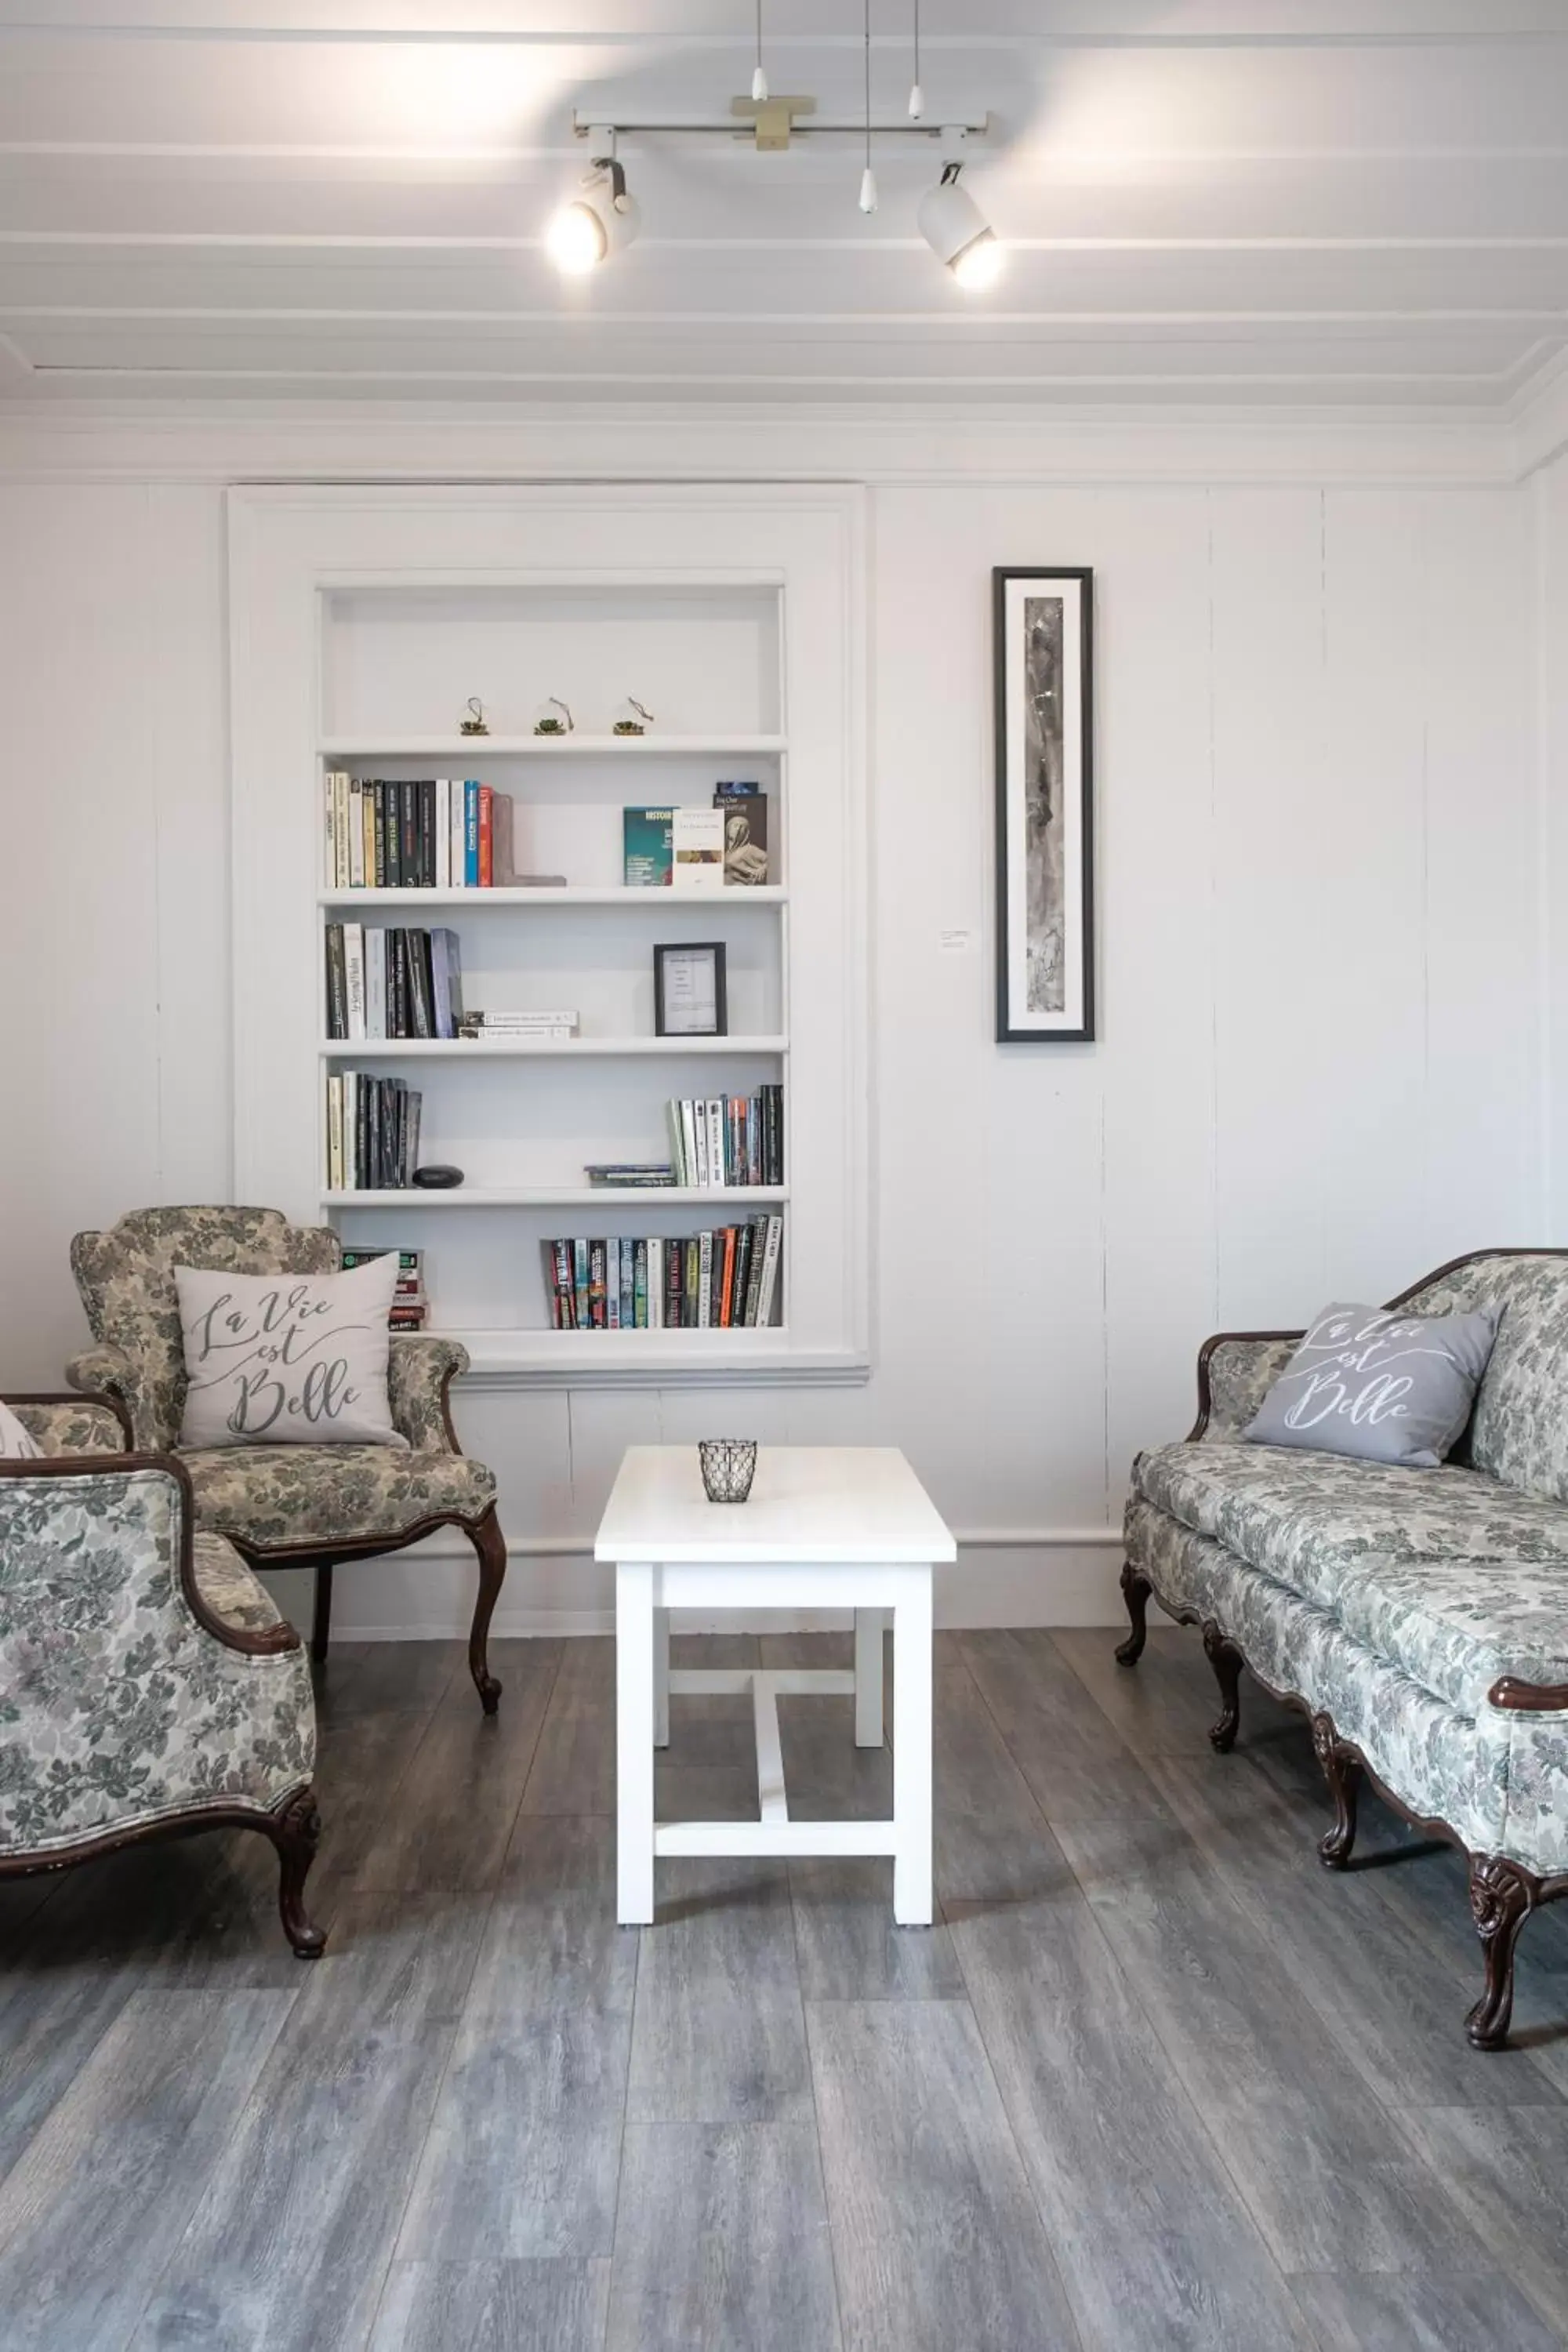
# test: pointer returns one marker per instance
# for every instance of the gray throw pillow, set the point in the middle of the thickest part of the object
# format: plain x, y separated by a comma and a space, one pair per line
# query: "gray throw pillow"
1382, 1387
288, 1358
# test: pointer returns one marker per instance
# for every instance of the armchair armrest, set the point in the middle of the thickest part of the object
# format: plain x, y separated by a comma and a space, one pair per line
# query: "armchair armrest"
1529, 1698
1236, 1371
74, 1424
38, 1496
419, 1375
104, 1372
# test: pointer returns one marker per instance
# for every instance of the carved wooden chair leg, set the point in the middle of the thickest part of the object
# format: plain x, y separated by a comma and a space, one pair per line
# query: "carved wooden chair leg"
295, 1832
1342, 1772
1228, 1662
1502, 1897
322, 1615
1135, 1590
490, 1545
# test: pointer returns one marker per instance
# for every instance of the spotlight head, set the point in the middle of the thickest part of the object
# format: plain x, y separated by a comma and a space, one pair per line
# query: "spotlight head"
603, 219
958, 232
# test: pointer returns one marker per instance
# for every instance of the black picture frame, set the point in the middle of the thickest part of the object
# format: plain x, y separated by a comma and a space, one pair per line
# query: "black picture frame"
1044, 918
714, 948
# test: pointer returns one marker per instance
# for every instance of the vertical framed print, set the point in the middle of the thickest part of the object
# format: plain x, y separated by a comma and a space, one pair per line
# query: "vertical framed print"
1044, 625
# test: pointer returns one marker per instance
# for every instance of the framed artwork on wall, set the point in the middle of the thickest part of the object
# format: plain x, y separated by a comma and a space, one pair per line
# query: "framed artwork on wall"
1044, 622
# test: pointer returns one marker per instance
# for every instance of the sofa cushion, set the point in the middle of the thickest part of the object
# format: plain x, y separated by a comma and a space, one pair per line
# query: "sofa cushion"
281, 1495
1455, 1579
1378, 1386
1519, 1431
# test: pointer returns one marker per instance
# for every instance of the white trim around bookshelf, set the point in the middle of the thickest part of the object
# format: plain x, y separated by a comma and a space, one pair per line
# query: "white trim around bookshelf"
307, 563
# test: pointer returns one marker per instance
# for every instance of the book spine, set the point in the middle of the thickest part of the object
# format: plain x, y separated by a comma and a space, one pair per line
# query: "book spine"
415, 1109
726, 1275
367, 830
419, 977
580, 1282
716, 1170
443, 833
597, 1308
350, 1131
440, 990
426, 795
455, 852
336, 993
677, 1142
408, 797
612, 1285
699, 1143
551, 1283
356, 834
392, 813
336, 1132
757, 1234
705, 1281
628, 1287
354, 973
503, 855
487, 839
471, 834
329, 834
341, 829
770, 1270
565, 1300
743, 1238
674, 1286
639, 1285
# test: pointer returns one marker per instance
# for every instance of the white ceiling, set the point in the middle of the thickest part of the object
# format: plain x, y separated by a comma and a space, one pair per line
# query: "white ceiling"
1362, 202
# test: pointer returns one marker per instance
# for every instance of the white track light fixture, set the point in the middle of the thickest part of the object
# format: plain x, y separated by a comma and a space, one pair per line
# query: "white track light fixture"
603, 219
917, 96
758, 77
868, 177
958, 232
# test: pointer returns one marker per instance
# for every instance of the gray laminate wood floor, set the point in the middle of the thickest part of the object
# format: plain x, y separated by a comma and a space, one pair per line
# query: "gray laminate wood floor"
1154, 2081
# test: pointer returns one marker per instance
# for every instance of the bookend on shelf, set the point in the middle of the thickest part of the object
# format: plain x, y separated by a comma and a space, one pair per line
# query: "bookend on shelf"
284, 1505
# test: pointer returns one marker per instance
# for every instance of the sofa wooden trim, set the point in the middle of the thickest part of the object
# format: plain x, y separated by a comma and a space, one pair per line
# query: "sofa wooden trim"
1503, 1893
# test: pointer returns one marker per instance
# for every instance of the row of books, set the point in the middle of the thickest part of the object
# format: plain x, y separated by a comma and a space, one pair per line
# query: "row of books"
393, 983
728, 1139
725, 1279
698, 848
410, 1305
433, 833
372, 1132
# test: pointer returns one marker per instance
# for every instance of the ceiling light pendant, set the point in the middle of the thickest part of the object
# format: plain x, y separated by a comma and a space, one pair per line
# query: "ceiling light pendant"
868, 177
917, 96
958, 232
759, 78
603, 219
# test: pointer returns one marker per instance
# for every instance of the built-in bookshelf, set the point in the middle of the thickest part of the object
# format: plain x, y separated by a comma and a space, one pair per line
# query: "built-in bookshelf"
364, 623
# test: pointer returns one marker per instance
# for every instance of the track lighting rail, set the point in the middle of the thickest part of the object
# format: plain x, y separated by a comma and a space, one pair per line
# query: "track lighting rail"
585, 126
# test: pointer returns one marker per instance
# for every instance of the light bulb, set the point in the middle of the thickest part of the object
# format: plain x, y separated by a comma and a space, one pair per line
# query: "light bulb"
868, 190
575, 240
979, 264
759, 87
917, 102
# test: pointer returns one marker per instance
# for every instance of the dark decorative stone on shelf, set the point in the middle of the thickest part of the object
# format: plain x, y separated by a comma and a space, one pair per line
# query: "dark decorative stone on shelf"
438, 1179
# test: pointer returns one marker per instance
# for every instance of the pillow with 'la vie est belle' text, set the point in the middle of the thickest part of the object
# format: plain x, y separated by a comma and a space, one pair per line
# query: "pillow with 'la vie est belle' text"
1378, 1385
288, 1358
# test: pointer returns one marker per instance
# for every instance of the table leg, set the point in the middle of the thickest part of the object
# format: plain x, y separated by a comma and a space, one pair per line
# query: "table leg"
634, 1744
912, 1749
869, 1716
661, 1678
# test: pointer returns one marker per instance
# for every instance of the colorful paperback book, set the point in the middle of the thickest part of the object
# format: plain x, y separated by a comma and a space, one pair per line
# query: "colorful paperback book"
648, 848
745, 809
471, 834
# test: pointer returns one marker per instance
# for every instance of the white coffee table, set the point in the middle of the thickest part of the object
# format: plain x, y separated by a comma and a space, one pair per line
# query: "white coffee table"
827, 1526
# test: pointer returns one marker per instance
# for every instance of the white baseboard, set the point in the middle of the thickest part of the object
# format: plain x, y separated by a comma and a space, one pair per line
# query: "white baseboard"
1064, 1576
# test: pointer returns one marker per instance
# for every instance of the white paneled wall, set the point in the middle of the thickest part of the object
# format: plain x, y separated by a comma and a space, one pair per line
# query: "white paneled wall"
1322, 950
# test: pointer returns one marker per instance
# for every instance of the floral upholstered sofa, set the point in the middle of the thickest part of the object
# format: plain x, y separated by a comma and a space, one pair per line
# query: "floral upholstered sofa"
1419, 1617
150, 1685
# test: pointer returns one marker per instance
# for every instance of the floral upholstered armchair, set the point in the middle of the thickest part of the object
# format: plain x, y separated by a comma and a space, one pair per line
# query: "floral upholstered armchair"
284, 1505
151, 1686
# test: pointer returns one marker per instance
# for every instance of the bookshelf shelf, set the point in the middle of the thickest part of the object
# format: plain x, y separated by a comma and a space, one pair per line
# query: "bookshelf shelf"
570, 895
557, 1049
362, 621
564, 1196
476, 749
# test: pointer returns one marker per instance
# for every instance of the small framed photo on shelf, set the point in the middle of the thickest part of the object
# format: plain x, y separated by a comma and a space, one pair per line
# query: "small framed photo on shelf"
689, 991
